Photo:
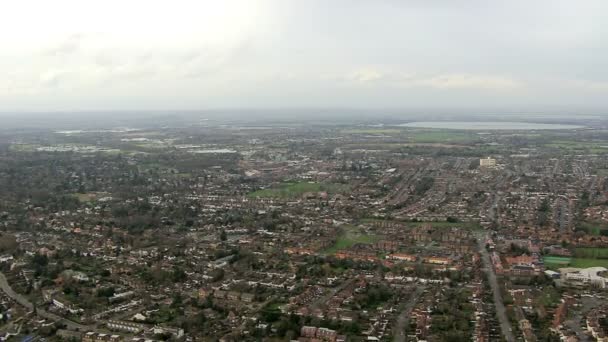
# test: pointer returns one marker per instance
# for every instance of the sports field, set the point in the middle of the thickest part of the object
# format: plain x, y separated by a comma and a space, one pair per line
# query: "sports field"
350, 236
555, 262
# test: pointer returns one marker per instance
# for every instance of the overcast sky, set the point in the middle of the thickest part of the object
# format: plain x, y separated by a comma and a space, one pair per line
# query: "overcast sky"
199, 54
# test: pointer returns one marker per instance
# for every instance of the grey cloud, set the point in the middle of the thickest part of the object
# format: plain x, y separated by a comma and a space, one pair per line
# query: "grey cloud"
337, 53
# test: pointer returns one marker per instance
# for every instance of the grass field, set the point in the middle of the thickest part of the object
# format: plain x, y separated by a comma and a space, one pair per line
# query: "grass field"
571, 145
585, 262
290, 190
86, 197
444, 224
555, 262
371, 131
591, 253
350, 236
434, 224
593, 228
23, 147
442, 136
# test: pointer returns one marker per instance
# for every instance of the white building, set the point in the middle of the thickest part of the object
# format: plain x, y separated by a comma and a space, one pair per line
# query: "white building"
487, 162
584, 276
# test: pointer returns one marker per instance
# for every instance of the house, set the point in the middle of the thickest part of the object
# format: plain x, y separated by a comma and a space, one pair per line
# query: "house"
437, 260
402, 257
233, 295
247, 297
125, 326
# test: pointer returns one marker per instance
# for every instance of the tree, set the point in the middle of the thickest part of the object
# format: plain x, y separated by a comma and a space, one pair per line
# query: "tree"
178, 275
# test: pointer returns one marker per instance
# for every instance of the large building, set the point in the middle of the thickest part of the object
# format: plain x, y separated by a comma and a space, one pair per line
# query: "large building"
487, 162
580, 277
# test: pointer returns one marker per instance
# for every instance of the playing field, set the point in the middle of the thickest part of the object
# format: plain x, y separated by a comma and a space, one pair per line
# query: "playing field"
350, 236
591, 253
371, 131
434, 224
442, 136
555, 262
594, 228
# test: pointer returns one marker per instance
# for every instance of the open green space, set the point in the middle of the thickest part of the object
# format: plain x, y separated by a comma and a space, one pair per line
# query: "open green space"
23, 147
586, 262
290, 190
591, 252
555, 262
350, 236
86, 197
434, 224
582, 146
445, 224
371, 131
593, 228
443, 136
550, 259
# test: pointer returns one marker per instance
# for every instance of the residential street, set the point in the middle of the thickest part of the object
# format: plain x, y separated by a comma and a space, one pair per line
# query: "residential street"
40, 312
501, 312
404, 317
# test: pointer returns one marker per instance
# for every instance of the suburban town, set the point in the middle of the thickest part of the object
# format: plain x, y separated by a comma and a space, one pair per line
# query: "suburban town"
304, 171
333, 232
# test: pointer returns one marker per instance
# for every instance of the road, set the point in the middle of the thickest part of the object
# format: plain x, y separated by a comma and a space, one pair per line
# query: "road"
404, 317
501, 312
326, 297
21, 300
575, 318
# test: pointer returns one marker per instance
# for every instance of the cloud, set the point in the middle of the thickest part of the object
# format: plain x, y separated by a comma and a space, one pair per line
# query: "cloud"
52, 78
468, 81
66, 45
587, 85
377, 77
366, 76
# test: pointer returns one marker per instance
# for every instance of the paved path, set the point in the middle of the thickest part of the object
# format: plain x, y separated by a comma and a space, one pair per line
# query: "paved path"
326, 297
20, 299
404, 317
501, 312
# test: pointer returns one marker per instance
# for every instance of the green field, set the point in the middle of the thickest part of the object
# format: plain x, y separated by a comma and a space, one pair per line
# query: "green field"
86, 197
591, 253
571, 145
23, 147
445, 224
442, 136
555, 262
584, 262
593, 228
291, 190
371, 131
434, 224
350, 236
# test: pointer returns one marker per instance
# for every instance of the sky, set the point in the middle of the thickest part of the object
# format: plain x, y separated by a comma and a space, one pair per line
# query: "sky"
74, 55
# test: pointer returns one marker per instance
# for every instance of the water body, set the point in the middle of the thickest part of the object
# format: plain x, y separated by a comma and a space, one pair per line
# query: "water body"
213, 151
489, 125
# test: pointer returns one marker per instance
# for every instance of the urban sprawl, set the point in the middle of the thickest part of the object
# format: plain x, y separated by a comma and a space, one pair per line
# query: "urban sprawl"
304, 232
